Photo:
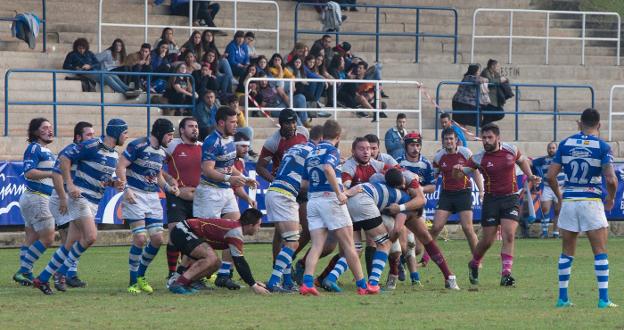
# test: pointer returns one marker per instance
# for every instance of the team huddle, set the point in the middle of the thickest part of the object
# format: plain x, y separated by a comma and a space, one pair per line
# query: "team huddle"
314, 196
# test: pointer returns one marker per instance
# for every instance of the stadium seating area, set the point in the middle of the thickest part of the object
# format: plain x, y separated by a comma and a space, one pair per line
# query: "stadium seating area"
68, 20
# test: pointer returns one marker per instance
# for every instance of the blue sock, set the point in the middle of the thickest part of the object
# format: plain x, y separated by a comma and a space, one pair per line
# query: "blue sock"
73, 270
224, 270
147, 256
545, 225
339, 269
23, 264
283, 261
361, 283
415, 276
74, 253
565, 269
31, 255
308, 280
379, 262
133, 261
287, 279
58, 258
601, 266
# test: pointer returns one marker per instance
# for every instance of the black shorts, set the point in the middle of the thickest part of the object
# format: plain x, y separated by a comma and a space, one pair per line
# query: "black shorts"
499, 207
367, 224
178, 209
183, 239
63, 226
455, 201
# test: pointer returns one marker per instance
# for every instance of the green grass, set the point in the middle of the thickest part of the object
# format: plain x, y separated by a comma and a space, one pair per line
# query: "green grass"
105, 304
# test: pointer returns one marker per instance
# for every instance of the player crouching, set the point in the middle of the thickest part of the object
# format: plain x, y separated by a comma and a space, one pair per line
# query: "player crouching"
197, 238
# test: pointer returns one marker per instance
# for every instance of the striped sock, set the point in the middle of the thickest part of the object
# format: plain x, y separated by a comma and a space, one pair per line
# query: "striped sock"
339, 269
308, 280
287, 280
361, 283
415, 276
379, 262
601, 266
565, 268
172, 258
224, 270
73, 270
545, 225
25, 267
33, 253
74, 254
58, 258
147, 256
133, 261
283, 261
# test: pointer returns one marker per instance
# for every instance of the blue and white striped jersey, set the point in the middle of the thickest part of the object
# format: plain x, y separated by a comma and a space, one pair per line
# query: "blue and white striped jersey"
38, 157
290, 172
222, 151
96, 165
422, 168
540, 167
384, 195
324, 153
582, 158
67, 150
147, 163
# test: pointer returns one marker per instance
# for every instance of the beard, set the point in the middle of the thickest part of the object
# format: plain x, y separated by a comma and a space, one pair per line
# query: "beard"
489, 147
192, 138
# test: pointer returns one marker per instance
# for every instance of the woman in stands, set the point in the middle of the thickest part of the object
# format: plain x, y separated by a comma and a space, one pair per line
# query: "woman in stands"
191, 61
113, 57
221, 69
466, 96
194, 44
497, 97
251, 72
277, 69
167, 36
160, 63
262, 65
180, 90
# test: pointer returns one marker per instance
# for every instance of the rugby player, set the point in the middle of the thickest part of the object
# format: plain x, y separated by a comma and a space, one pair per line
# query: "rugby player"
242, 143
584, 158
548, 197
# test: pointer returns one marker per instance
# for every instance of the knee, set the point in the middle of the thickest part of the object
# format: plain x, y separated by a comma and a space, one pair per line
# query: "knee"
156, 240
436, 229
139, 240
90, 238
47, 240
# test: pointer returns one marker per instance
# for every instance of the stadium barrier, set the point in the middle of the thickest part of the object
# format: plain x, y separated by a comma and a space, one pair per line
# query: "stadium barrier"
102, 104
547, 36
335, 107
611, 113
146, 26
43, 22
517, 112
378, 33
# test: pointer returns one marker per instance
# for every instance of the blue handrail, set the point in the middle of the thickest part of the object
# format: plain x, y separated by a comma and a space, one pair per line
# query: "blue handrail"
55, 103
517, 112
379, 34
43, 25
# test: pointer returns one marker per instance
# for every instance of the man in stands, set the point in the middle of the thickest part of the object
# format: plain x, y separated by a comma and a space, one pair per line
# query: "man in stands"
446, 122
585, 159
357, 95
197, 238
325, 44
139, 62
183, 166
205, 112
548, 197
394, 137
500, 204
204, 12
85, 188
139, 172
82, 131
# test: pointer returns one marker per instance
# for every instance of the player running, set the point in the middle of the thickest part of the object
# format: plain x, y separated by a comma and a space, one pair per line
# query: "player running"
139, 173
95, 160
584, 158
197, 238
500, 204
548, 197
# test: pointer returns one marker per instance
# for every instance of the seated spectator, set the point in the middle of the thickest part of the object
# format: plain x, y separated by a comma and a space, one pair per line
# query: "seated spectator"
167, 37
297, 67
82, 59
262, 65
221, 68
250, 41
298, 51
238, 55
160, 63
140, 61
233, 102
250, 72
497, 96
205, 80
180, 90
358, 95
112, 58
203, 13
194, 44
465, 99
268, 97
190, 61
314, 89
205, 112
324, 45
276, 69
446, 122
394, 137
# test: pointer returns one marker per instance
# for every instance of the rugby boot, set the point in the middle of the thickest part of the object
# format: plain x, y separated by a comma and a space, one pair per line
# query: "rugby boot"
563, 304
278, 289
293, 287
171, 279
451, 283
507, 280
134, 289
59, 282
178, 288
43, 286
373, 289
330, 286
226, 282
473, 274
298, 273
307, 291
23, 279
144, 285
606, 304
391, 283
201, 285
75, 282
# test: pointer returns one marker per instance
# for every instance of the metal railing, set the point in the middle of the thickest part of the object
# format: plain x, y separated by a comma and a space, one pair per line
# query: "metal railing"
334, 89
190, 26
611, 113
517, 112
43, 21
377, 34
547, 36
102, 104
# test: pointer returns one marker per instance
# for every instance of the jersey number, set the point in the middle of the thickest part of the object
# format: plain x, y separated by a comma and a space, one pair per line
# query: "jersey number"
580, 169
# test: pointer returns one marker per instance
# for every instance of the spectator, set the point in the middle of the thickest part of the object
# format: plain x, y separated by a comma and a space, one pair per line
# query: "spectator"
180, 90
297, 67
277, 69
194, 44
262, 65
466, 96
298, 51
221, 68
140, 61
238, 55
314, 89
167, 37
113, 57
190, 60
268, 97
497, 97
205, 112
250, 72
205, 80
203, 13
446, 122
250, 41
394, 137
358, 95
160, 63
323, 44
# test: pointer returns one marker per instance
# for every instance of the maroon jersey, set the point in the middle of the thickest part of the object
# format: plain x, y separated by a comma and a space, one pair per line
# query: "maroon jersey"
184, 162
220, 234
443, 163
276, 146
354, 173
498, 168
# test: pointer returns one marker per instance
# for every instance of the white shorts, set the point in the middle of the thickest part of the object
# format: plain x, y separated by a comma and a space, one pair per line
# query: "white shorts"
388, 221
325, 212
35, 211
281, 207
362, 207
213, 202
548, 195
81, 208
59, 218
580, 216
147, 206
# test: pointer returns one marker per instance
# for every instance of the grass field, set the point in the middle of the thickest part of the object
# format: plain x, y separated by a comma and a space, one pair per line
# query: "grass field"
105, 304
